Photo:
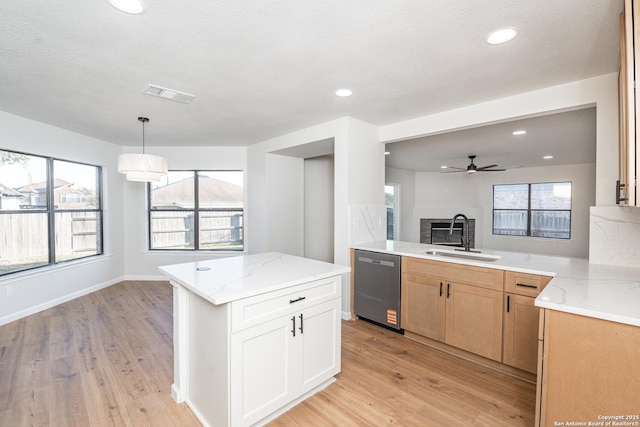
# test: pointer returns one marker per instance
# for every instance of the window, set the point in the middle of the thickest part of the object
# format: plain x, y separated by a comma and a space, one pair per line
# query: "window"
536, 210
391, 200
50, 211
197, 210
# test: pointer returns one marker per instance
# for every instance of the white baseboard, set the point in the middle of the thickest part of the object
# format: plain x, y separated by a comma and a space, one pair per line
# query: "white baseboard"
52, 303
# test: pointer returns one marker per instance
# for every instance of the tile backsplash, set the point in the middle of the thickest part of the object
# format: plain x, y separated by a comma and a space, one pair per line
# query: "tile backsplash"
367, 223
614, 236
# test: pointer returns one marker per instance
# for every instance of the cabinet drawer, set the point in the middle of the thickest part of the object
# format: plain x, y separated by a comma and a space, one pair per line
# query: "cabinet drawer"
488, 278
255, 310
524, 283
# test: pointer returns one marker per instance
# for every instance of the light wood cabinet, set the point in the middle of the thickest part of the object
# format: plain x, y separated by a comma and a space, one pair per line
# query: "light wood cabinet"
457, 304
423, 307
521, 320
629, 100
524, 283
589, 368
474, 320
520, 348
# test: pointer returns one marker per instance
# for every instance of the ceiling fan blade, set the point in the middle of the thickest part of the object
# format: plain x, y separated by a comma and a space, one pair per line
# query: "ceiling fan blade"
486, 167
491, 170
456, 171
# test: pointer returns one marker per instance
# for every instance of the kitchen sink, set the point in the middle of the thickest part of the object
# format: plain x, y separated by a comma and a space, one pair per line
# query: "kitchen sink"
473, 256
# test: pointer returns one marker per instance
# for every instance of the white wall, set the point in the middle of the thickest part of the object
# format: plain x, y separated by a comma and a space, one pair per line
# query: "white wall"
318, 208
46, 287
285, 203
142, 264
601, 92
444, 195
358, 181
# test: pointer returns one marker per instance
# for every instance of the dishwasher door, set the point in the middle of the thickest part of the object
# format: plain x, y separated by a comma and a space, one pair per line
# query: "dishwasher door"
377, 288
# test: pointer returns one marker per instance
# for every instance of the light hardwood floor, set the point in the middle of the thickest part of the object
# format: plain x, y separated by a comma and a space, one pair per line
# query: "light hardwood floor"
106, 359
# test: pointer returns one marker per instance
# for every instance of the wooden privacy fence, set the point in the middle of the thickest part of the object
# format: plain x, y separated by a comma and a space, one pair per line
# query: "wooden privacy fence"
24, 236
218, 229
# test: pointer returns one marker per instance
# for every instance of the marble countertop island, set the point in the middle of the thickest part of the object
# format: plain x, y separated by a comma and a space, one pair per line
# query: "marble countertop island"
578, 287
228, 279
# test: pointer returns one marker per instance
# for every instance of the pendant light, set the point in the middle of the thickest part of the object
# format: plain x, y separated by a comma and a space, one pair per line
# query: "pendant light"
142, 167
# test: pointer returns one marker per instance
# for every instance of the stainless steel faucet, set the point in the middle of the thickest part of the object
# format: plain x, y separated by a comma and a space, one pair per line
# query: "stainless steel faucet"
466, 242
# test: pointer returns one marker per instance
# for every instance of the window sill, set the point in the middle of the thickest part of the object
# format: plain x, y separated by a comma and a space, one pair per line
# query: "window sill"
48, 269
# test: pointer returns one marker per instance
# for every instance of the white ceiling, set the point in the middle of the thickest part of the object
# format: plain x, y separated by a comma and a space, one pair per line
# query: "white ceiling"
263, 68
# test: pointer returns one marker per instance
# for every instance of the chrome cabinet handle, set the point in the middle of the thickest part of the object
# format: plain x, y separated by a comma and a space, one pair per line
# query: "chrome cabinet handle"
301, 324
293, 331
291, 301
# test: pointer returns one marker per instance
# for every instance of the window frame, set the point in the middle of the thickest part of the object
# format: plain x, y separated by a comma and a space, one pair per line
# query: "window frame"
51, 211
530, 210
197, 210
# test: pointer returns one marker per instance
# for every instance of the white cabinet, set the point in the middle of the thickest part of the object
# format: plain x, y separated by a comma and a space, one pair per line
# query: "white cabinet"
274, 363
250, 358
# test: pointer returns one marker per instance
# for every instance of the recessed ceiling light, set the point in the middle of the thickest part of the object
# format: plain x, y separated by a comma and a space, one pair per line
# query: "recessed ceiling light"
519, 132
135, 7
444, 167
343, 93
502, 35
548, 157
386, 153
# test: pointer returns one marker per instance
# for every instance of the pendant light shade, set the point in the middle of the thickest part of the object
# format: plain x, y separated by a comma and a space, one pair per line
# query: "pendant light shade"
142, 167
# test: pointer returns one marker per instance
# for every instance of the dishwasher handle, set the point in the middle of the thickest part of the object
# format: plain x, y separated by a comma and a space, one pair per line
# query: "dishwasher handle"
376, 261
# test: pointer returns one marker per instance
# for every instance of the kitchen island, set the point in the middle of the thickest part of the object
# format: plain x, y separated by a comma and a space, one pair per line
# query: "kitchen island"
588, 334
254, 334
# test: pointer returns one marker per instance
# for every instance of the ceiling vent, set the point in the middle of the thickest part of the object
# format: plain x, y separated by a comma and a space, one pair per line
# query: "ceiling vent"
171, 94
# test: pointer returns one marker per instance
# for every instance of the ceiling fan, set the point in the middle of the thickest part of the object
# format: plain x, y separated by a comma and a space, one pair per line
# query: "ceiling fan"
472, 168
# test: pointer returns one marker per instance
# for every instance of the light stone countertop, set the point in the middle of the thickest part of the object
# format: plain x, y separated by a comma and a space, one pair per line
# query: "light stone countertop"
578, 287
228, 279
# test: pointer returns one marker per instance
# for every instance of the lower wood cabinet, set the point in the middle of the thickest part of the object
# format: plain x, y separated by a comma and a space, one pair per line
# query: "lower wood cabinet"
463, 315
488, 312
520, 348
474, 320
521, 318
423, 306
589, 369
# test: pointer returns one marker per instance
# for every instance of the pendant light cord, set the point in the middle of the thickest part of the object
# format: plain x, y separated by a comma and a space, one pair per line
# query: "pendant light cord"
143, 120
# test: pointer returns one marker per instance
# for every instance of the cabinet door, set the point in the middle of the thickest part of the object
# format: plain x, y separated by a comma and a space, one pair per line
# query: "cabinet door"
590, 368
423, 306
319, 338
521, 321
474, 320
261, 370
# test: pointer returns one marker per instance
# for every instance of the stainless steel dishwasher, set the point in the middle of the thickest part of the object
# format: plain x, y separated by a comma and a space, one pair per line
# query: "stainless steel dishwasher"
377, 288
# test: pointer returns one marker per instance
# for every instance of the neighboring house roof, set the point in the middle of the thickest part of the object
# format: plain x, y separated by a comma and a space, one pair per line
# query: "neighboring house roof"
40, 187
215, 194
8, 192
